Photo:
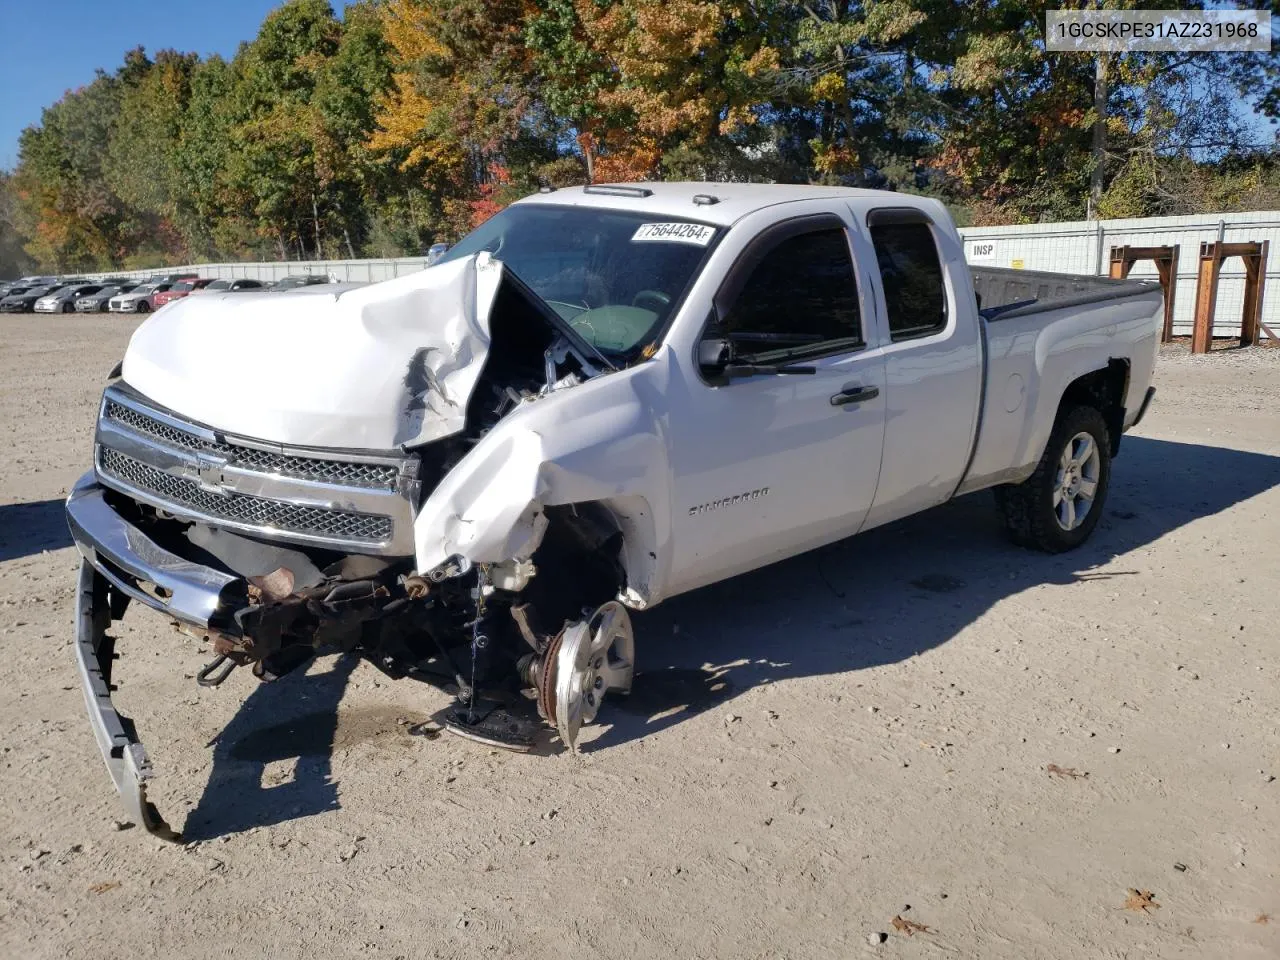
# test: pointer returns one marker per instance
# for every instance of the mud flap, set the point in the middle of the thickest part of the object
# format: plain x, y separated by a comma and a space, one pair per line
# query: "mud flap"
124, 755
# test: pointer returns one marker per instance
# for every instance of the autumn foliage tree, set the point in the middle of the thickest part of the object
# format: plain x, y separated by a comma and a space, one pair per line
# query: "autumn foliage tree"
398, 123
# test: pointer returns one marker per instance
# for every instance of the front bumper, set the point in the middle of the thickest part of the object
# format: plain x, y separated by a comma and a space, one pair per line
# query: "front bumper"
129, 306
121, 563
139, 568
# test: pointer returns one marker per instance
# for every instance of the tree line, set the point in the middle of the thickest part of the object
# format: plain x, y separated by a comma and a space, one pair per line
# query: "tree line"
404, 122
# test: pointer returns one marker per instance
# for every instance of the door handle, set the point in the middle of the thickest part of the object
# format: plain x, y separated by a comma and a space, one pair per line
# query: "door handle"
855, 395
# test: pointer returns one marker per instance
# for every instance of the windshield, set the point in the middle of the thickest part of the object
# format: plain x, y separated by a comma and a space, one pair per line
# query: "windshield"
219, 285
145, 288
615, 276
186, 286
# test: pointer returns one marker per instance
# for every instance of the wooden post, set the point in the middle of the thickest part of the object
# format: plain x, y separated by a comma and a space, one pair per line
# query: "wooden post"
1255, 269
1168, 270
1206, 296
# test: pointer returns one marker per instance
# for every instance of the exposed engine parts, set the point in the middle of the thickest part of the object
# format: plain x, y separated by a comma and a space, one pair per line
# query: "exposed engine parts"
538, 637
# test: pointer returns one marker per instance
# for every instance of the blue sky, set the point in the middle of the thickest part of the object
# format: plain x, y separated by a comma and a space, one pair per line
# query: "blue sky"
54, 46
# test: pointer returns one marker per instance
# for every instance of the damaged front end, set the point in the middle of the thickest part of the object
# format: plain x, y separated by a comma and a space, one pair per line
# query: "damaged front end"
296, 526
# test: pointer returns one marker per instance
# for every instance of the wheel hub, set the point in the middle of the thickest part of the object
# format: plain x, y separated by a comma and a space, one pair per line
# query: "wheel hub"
1077, 481
586, 661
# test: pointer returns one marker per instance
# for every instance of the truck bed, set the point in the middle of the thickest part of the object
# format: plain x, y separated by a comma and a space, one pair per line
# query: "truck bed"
1041, 331
1004, 292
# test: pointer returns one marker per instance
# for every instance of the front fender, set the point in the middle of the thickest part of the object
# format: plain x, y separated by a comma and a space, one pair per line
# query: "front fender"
602, 441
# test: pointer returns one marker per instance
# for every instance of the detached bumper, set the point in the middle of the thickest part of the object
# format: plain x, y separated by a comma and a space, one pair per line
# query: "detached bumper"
119, 562
124, 754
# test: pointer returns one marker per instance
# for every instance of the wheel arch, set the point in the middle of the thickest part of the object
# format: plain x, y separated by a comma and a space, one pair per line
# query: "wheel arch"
1103, 389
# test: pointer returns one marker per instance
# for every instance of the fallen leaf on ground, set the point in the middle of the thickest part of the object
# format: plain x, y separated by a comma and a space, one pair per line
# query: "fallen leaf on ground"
909, 927
1055, 770
1262, 918
1143, 900
104, 887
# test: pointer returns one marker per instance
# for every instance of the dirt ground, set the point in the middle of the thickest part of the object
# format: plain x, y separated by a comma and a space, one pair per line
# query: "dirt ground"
810, 752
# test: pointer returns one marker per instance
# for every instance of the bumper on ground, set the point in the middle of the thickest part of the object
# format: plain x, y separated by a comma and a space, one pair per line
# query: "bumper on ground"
120, 563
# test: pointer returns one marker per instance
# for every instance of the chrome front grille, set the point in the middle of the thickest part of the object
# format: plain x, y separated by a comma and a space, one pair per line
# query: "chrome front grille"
328, 471
255, 511
363, 502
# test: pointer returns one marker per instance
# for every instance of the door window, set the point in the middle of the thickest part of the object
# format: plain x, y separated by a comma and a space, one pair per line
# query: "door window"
911, 272
800, 298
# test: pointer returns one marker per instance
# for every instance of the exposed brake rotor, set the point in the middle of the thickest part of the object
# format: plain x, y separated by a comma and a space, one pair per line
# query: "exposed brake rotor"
585, 661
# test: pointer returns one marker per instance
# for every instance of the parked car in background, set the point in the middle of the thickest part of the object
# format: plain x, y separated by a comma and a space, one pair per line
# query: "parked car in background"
97, 302
137, 300
229, 285
172, 278
296, 281
435, 252
63, 300
179, 290
23, 299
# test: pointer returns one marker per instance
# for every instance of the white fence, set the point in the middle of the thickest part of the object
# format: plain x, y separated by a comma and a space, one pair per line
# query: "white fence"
366, 271
1081, 247
1085, 247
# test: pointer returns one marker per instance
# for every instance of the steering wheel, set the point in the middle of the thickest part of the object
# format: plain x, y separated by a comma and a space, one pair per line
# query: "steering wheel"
659, 300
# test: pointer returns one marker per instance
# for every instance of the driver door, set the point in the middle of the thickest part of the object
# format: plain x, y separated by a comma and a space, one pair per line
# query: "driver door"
769, 464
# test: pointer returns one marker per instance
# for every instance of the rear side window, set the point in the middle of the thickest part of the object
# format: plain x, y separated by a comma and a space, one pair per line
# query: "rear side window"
911, 272
800, 297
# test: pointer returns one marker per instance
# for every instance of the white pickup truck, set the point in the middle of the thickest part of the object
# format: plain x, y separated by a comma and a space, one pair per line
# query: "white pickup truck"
601, 398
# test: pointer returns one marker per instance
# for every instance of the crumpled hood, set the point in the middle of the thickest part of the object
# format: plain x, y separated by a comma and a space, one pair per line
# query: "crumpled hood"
374, 367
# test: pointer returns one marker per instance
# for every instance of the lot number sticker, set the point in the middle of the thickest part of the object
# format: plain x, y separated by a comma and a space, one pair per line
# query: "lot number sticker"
695, 233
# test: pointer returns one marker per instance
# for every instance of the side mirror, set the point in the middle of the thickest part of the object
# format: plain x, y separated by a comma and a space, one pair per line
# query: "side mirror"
714, 353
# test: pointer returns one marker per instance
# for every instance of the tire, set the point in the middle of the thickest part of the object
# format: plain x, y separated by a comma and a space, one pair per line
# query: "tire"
144, 307
68, 308
1035, 516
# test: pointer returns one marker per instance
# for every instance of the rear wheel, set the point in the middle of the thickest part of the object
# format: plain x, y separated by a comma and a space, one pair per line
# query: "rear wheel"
1057, 507
68, 308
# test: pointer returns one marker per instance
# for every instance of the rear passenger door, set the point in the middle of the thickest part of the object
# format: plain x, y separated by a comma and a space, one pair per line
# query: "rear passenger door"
933, 360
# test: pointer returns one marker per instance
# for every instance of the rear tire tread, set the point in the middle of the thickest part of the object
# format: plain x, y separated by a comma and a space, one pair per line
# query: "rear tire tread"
1027, 507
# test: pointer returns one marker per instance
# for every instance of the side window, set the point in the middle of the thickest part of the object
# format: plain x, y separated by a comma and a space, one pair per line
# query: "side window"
801, 297
911, 272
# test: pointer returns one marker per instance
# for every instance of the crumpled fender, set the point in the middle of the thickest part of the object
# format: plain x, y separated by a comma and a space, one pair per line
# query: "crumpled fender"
602, 441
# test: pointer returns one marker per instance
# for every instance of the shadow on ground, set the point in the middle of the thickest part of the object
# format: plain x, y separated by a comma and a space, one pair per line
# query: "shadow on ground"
30, 528
293, 720
871, 600
898, 590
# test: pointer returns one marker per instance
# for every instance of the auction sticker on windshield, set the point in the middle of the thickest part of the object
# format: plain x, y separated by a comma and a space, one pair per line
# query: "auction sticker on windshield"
696, 233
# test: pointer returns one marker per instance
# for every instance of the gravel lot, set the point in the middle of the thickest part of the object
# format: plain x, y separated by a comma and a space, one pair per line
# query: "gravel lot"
810, 752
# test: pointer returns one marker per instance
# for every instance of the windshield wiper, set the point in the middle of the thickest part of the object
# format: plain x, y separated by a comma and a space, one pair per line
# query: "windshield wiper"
737, 370
734, 370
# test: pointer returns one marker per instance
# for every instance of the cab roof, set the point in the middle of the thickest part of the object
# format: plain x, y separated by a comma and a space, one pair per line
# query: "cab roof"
732, 201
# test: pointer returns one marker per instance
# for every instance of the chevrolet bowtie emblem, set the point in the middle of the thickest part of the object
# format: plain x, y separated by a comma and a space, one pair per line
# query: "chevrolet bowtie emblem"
209, 475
